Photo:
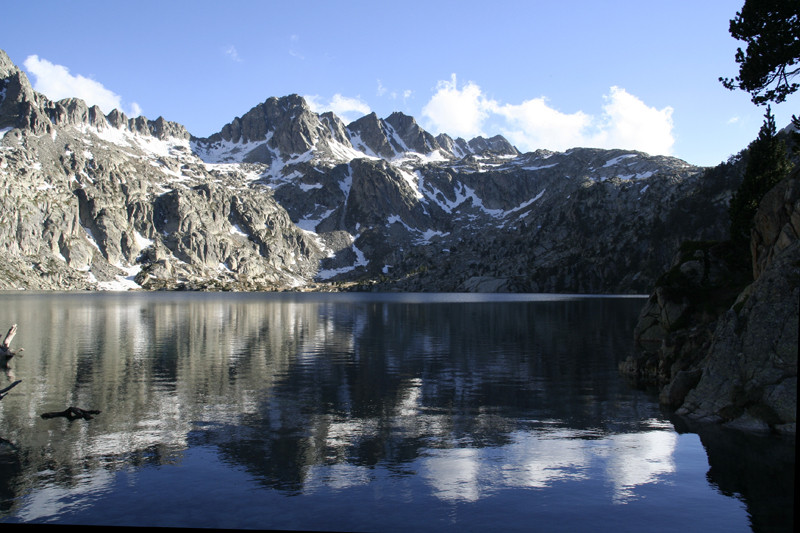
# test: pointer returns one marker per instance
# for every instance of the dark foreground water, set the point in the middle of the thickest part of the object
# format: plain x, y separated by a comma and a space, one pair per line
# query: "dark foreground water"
360, 413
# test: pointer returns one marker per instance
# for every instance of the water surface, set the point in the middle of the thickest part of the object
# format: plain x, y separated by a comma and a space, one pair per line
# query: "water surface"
359, 413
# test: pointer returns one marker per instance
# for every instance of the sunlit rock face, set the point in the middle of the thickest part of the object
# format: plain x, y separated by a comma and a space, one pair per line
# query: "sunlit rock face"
285, 198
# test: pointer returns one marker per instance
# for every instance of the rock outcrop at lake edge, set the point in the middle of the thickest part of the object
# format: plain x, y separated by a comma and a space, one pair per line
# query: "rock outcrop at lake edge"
749, 377
737, 366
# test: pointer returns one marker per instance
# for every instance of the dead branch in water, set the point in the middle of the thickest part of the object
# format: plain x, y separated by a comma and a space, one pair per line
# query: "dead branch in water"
72, 413
5, 347
4, 392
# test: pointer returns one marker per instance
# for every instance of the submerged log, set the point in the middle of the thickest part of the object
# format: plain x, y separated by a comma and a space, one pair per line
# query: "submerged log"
72, 413
5, 347
4, 392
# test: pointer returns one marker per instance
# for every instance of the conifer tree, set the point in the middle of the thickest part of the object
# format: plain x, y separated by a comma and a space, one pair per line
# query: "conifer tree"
767, 164
771, 29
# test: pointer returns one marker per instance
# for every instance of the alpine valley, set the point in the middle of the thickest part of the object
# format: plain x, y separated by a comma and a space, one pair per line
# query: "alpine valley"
283, 198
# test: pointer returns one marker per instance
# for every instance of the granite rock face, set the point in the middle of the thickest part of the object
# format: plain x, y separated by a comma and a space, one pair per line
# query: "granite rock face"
103, 201
677, 322
777, 224
722, 349
749, 377
560, 222
370, 135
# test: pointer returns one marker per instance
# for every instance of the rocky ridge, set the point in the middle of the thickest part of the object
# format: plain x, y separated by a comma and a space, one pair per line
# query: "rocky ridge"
285, 198
103, 201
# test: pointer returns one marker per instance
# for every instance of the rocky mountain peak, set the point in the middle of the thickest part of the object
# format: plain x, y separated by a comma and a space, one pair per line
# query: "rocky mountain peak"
163, 129
413, 137
6, 65
458, 147
291, 102
369, 135
497, 144
74, 111
20, 105
337, 128
278, 127
281, 129
359, 124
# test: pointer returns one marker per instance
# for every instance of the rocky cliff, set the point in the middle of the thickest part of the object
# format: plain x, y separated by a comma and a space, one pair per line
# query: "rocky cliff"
749, 377
723, 349
285, 198
103, 201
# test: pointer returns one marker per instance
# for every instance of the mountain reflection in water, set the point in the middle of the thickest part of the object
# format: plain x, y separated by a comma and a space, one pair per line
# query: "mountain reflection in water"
354, 412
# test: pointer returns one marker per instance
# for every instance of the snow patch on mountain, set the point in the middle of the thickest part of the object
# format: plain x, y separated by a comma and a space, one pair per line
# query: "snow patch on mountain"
360, 261
525, 204
343, 153
422, 236
223, 151
347, 183
414, 159
360, 146
540, 167
310, 224
412, 180
615, 160
153, 146
236, 229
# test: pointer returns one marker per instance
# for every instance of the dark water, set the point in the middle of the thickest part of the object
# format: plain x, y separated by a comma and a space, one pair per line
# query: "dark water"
360, 413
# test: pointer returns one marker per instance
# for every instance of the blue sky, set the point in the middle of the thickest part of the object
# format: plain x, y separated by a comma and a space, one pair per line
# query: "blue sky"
621, 74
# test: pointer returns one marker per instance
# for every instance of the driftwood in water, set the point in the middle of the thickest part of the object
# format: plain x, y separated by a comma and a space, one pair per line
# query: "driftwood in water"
5, 347
72, 413
4, 392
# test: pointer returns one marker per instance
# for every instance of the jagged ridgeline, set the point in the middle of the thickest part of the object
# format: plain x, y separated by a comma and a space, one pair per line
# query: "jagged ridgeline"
286, 198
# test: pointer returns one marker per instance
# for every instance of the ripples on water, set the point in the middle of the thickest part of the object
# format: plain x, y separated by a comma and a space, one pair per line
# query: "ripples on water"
359, 412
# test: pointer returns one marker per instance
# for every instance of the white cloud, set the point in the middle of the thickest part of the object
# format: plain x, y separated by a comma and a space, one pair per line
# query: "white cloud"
628, 122
295, 39
342, 104
534, 124
457, 112
625, 121
346, 108
135, 110
233, 53
313, 102
393, 94
56, 82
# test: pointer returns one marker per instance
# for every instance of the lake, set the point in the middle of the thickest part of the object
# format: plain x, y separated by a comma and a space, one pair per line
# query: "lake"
360, 412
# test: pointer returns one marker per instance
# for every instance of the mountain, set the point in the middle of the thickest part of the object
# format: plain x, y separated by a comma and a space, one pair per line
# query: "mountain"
286, 198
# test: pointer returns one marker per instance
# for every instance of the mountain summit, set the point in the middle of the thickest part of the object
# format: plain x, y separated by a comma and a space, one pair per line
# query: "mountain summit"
285, 128
284, 197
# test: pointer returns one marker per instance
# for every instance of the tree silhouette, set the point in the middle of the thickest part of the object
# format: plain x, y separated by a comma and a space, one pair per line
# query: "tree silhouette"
767, 164
771, 29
